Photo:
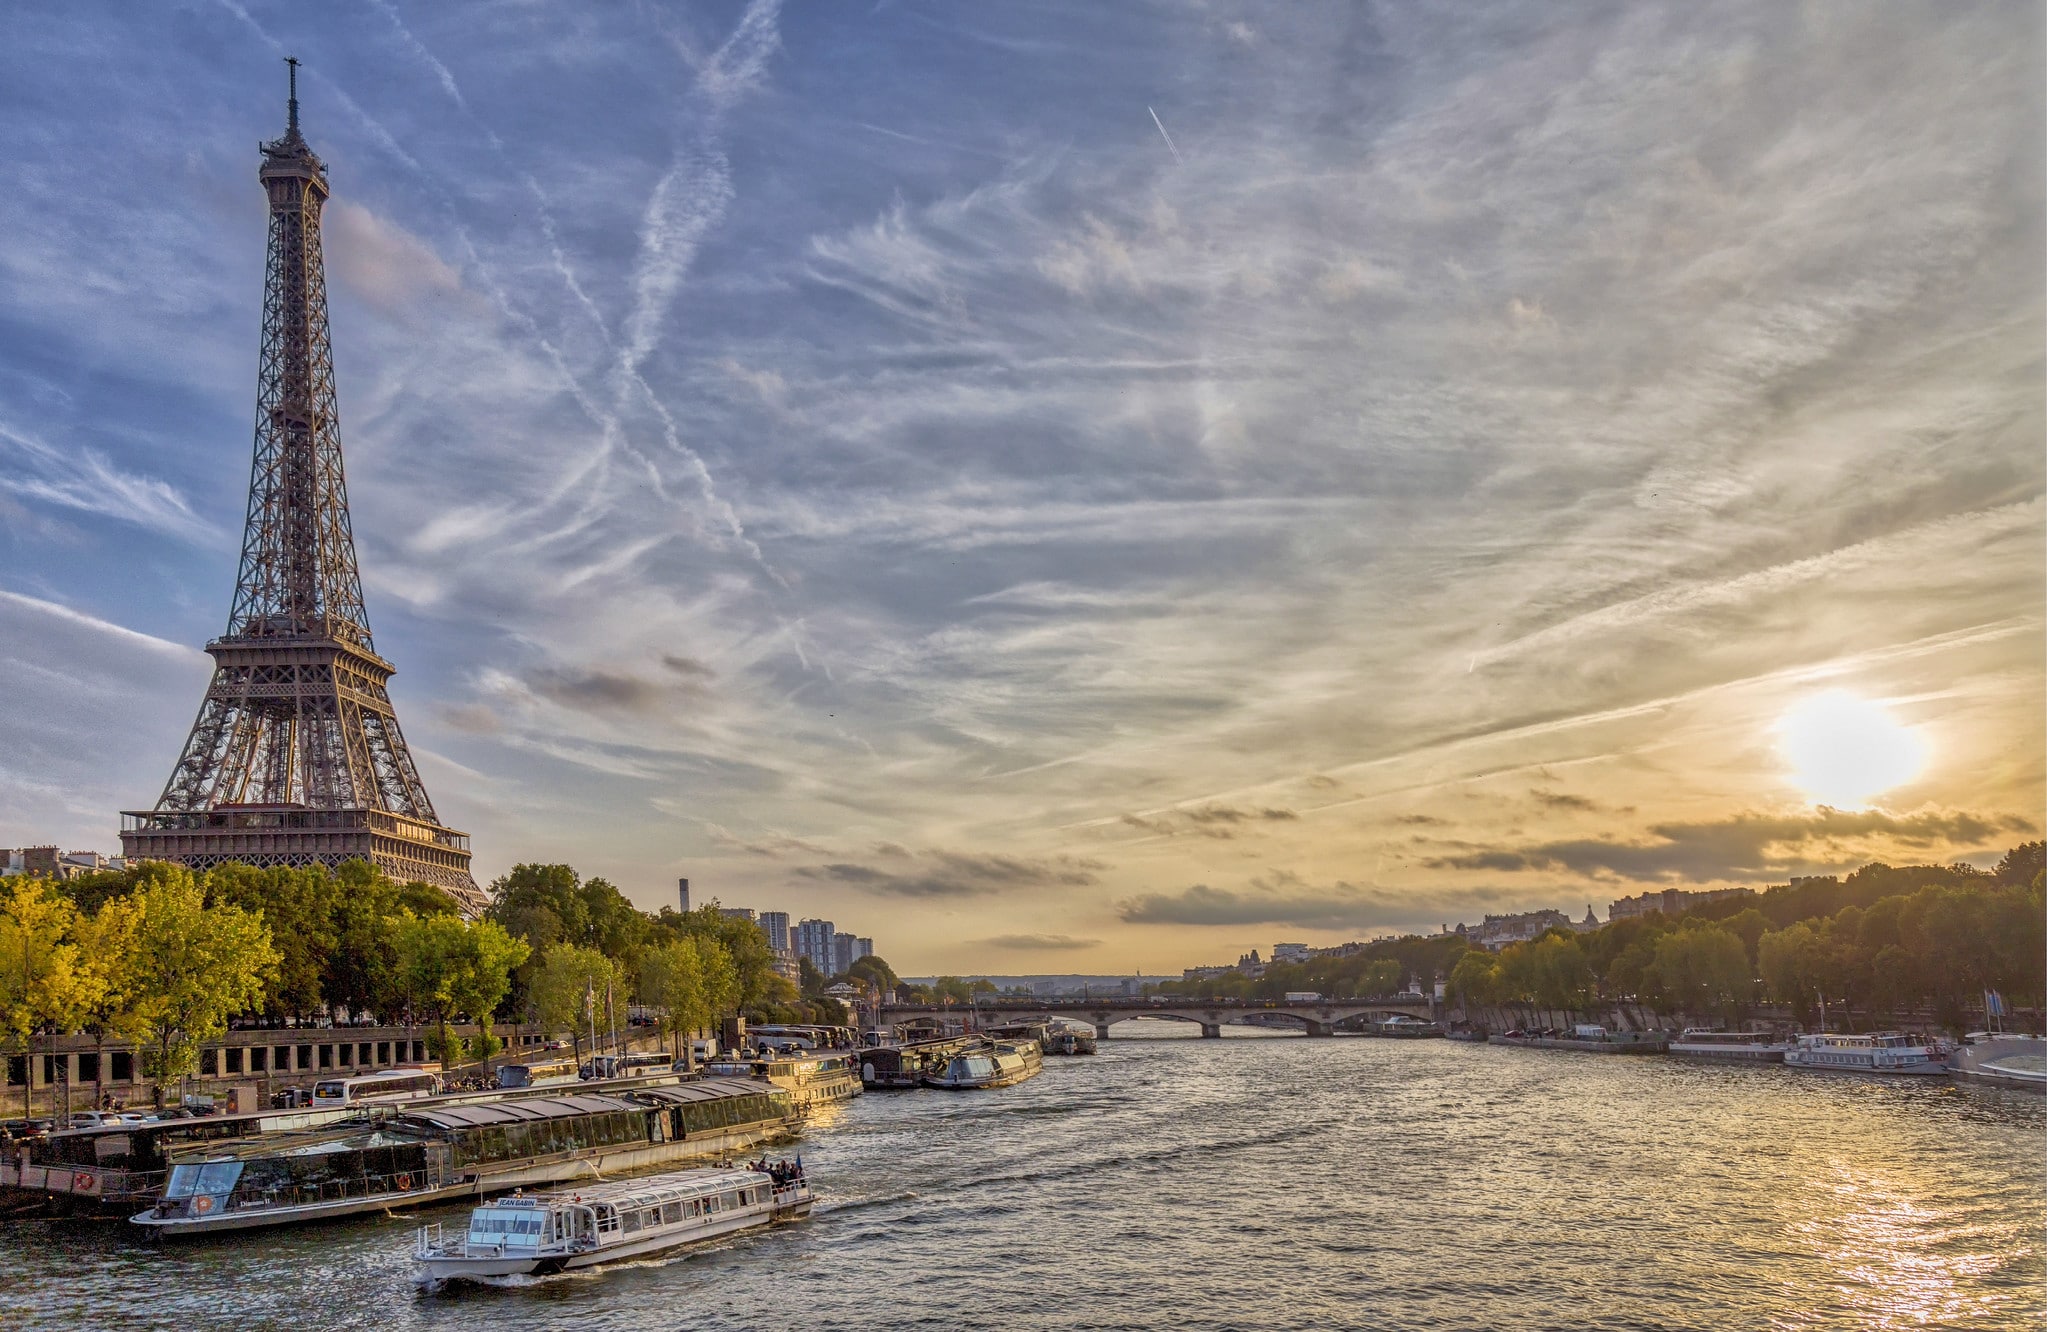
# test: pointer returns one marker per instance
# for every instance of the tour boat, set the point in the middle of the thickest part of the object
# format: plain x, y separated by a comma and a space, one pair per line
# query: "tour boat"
1744, 1047
526, 1235
999, 1066
810, 1078
1888, 1052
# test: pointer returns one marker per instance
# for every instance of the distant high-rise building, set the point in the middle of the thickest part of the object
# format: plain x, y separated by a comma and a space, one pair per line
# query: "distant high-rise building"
737, 913
682, 889
818, 941
776, 923
1290, 952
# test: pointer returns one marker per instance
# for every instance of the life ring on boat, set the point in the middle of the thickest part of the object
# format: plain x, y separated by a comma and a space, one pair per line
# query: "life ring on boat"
202, 1205
404, 1181
81, 1181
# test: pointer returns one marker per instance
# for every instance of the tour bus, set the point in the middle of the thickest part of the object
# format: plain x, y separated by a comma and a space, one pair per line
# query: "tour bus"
537, 1073
396, 1084
625, 1066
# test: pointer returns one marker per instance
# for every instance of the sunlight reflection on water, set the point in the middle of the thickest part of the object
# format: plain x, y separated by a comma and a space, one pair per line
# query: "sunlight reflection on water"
1250, 1183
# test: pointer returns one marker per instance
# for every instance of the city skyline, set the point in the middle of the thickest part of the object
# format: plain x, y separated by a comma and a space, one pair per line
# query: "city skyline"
1347, 472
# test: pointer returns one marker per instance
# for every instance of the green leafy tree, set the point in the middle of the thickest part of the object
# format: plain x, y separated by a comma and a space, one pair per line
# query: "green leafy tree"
577, 988
299, 907
689, 981
1705, 970
112, 1006
875, 972
1475, 979
451, 967
41, 980
194, 967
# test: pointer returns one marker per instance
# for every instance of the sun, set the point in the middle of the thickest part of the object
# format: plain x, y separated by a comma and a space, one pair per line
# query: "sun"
1845, 750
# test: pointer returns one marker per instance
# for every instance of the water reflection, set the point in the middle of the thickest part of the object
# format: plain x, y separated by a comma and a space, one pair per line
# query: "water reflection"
1268, 1181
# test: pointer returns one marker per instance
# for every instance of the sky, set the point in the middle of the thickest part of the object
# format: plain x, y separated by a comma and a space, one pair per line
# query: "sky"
1066, 487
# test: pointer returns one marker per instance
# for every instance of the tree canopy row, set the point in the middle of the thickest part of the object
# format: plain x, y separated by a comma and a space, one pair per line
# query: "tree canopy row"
1882, 942
159, 956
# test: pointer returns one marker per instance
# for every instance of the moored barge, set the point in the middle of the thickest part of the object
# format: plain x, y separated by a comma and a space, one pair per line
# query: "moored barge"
1588, 1039
429, 1154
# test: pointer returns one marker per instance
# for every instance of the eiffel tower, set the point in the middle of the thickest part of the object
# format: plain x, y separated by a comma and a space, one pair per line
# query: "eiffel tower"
296, 757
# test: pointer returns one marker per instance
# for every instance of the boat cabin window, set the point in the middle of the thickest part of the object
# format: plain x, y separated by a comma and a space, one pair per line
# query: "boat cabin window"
671, 1213
213, 1177
491, 1224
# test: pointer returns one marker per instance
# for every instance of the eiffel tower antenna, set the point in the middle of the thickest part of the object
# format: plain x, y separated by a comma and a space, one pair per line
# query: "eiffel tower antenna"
296, 757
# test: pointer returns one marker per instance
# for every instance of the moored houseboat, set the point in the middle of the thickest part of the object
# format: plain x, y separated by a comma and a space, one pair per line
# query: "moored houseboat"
1889, 1053
1587, 1038
1399, 1026
906, 1064
599, 1223
811, 1079
1740, 1047
1001, 1065
437, 1153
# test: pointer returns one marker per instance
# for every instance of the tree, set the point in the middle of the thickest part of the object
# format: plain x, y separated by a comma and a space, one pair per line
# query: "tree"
194, 966
574, 986
41, 983
298, 905
1705, 969
1785, 958
690, 981
2022, 864
112, 1008
875, 972
452, 967
1475, 979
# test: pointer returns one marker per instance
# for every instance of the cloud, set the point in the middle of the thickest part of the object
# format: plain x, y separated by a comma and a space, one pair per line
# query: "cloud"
84, 479
599, 689
1562, 800
1211, 820
1042, 943
381, 263
1751, 845
1280, 898
956, 874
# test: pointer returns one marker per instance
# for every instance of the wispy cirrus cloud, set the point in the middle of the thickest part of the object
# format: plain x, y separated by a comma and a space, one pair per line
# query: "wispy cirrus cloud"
944, 874
1468, 447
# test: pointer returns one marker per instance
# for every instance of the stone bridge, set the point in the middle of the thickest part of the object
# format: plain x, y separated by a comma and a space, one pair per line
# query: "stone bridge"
1319, 1017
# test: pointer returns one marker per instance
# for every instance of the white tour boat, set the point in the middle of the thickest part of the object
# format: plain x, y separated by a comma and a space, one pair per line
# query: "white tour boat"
1744, 1047
529, 1235
1889, 1052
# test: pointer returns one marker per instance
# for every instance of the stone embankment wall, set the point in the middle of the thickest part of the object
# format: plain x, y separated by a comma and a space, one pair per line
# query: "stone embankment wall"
263, 1059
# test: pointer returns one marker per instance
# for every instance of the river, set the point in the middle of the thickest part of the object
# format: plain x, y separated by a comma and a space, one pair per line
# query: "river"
1259, 1181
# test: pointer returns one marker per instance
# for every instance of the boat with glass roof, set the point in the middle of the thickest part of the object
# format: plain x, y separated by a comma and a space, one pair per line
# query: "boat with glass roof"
426, 1153
608, 1222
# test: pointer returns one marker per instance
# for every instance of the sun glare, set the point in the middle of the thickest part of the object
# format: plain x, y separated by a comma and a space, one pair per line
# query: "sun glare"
1844, 750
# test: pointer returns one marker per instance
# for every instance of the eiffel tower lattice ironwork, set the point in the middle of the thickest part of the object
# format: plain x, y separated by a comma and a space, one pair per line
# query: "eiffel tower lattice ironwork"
296, 757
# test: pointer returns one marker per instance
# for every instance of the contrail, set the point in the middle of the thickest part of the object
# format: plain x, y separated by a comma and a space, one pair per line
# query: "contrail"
1167, 137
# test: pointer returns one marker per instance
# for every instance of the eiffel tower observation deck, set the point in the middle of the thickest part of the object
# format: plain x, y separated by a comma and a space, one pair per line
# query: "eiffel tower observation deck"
296, 757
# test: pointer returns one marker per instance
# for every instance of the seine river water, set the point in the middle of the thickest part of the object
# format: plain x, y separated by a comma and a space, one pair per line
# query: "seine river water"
1252, 1182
